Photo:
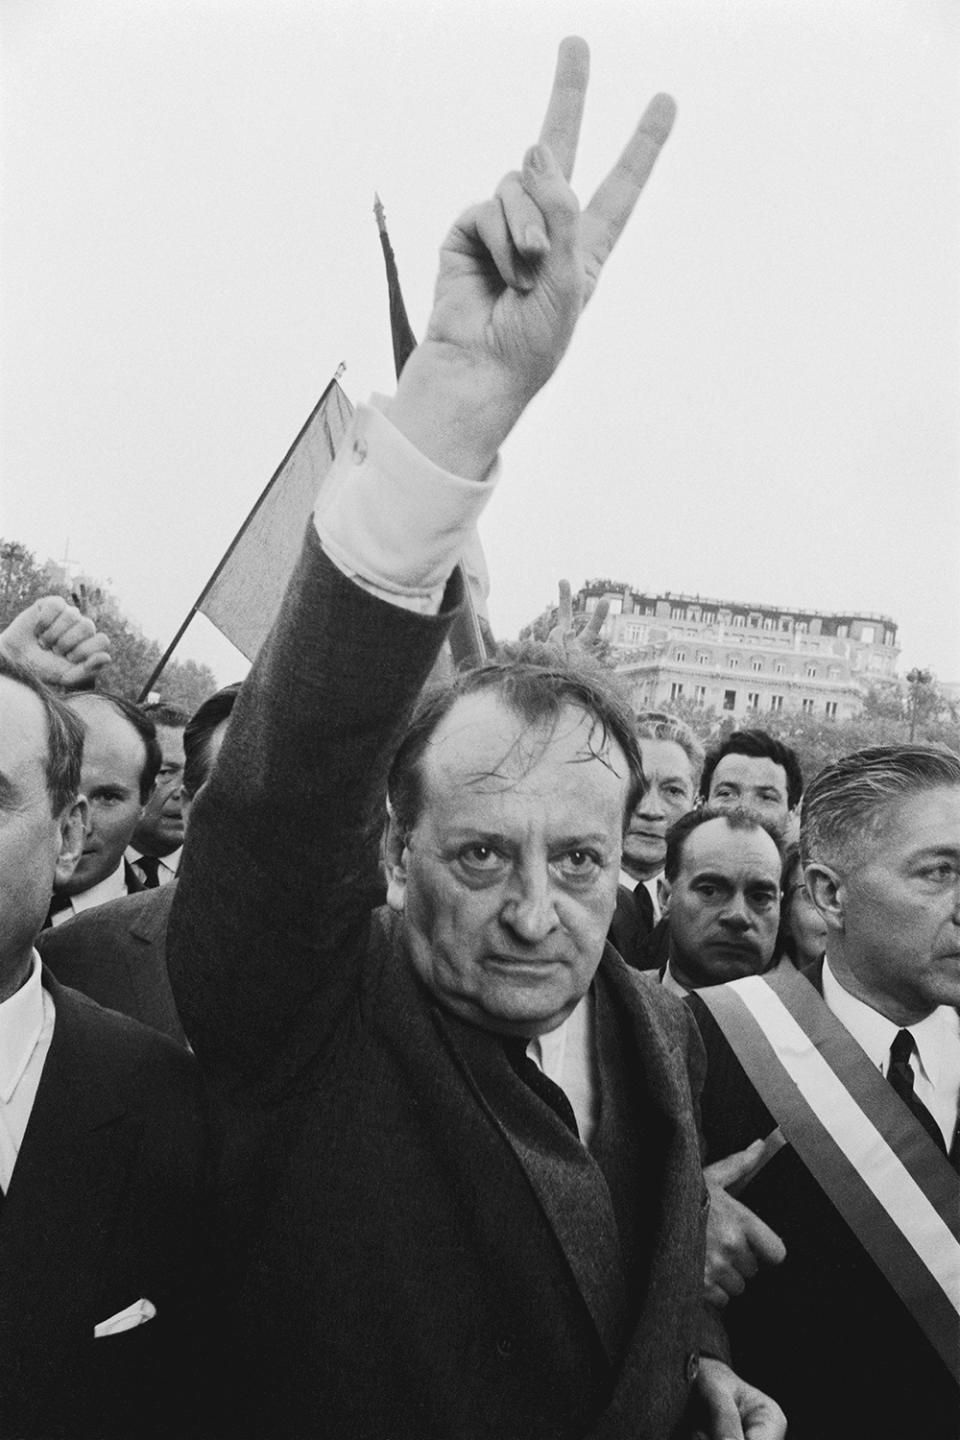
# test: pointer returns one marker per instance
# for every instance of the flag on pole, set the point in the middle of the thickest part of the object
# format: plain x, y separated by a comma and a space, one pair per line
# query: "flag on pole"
243, 594
467, 643
245, 591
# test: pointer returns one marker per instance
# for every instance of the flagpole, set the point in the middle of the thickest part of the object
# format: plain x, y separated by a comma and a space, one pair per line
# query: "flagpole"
195, 607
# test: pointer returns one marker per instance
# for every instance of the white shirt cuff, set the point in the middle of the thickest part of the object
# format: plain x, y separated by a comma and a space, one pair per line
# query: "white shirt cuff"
392, 520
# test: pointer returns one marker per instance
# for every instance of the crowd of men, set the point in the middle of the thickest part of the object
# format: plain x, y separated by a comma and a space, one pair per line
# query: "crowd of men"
604, 1125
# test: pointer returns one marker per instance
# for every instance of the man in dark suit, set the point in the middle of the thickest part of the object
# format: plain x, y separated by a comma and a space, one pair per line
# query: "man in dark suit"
457, 1157
100, 1143
121, 758
857, 1331
672, 759
117, 953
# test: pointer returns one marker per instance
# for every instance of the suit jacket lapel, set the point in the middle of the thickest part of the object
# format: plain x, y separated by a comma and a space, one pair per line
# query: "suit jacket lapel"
566, 1180
68, 1178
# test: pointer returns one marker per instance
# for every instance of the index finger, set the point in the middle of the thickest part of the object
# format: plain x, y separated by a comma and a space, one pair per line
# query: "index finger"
561, 125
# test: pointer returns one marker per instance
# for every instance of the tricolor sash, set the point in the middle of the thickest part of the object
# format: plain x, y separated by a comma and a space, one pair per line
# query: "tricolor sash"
895, 1189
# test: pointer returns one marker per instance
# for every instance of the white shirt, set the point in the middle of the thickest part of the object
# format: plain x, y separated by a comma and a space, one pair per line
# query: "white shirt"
651, 886
395, 522
112, 888
26, 1029
565, 1056
935, 1062
167, 865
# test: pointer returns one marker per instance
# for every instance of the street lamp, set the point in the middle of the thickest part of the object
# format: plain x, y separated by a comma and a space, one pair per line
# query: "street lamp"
916, 678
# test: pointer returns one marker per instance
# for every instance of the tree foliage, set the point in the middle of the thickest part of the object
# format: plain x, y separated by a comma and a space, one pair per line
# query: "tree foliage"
885, 720
23, 580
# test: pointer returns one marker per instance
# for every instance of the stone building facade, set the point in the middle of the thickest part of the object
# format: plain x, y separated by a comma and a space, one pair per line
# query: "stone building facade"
743, 659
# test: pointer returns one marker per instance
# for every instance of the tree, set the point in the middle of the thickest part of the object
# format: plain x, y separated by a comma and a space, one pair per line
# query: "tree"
133, 657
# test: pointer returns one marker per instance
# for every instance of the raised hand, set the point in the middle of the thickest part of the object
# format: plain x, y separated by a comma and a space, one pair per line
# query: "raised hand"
515, 273
564, 635
60, 644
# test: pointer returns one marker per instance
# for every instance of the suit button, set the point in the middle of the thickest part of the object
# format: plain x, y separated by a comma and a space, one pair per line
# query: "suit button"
691, 1366
506, 1345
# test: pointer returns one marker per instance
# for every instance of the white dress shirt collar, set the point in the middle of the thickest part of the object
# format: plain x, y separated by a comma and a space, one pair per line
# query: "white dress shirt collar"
21, 1021
112, 888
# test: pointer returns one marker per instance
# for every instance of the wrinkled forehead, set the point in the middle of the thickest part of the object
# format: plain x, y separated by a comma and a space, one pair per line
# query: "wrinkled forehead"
483, 746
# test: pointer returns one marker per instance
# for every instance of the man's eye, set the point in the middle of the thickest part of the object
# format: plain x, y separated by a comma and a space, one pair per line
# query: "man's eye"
706, 891
763, 901
480, 858
577, 864
942, 871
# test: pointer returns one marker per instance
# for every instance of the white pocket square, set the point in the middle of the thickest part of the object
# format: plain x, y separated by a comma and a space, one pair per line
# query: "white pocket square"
136, 1314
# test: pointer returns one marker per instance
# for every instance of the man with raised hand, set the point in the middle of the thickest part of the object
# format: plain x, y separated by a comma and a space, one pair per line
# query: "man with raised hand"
457, 1157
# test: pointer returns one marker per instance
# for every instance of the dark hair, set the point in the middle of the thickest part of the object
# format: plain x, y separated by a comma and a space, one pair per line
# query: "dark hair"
198, 734
680, 831
535, 682
658, 725
850, 798
64, 750
758, 745
145, 728
163, 714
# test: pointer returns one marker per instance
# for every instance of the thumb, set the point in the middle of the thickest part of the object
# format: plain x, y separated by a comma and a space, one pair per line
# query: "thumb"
734, 1168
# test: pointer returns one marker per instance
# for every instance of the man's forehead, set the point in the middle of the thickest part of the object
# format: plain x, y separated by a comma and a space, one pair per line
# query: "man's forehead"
717, 843
665, 757
922, 819
485, 745
750, 769
23, 723
170, 738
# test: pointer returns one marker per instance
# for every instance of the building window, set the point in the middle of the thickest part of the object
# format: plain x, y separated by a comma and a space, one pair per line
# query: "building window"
768, 624
806, 707
676, 690
739, 621
779, 667
729, 699
801, 627
753, 700
681, 654
776, 702
831, 709
732, 662
703, 659
811, 672
678, 612
700, 694
757, 665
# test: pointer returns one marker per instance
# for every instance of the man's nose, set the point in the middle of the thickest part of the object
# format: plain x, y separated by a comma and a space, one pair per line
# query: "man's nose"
529, 910
736, 914
651, 806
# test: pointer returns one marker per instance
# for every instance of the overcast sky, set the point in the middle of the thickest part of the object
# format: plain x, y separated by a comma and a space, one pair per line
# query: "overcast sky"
761, 403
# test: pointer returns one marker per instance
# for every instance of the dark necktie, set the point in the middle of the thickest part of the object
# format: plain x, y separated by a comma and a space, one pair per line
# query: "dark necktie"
533, 1077
900, 1075
644, 904
149, 867
58, 904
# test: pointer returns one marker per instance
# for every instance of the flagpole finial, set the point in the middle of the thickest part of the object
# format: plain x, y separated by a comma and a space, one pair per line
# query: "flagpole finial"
340, 370
378, 211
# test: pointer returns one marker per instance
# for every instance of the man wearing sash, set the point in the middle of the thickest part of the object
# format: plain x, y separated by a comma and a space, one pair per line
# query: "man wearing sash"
852, 1069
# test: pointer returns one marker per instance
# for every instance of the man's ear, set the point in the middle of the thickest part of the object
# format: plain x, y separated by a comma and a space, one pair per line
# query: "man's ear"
827, 892
663, 892
394, 853
73, 828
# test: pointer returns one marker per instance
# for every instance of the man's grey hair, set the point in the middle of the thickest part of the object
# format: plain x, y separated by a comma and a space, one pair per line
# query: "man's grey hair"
658, 725
851, 798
